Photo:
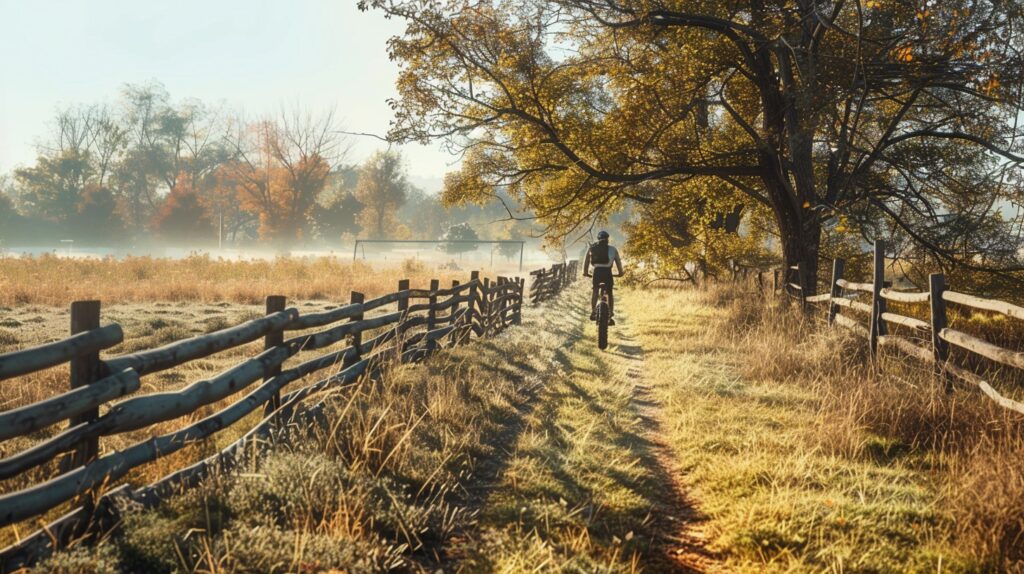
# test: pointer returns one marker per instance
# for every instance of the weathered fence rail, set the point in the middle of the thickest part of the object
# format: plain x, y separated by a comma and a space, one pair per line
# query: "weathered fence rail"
928, 341
549, 282
449, 317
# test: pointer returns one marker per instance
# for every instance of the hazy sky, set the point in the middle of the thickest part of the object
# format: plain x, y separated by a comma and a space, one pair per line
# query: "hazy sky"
255, 56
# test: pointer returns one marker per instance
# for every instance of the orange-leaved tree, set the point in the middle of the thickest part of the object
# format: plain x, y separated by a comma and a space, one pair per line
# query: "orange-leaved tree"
182, 218
280, 170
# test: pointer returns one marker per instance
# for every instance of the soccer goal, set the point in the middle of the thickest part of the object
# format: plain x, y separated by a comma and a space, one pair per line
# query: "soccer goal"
453, 247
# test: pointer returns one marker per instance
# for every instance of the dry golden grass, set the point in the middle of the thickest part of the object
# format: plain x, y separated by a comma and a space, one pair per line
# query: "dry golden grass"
513, 454
818, 459
183, 298
383, 485
57, 281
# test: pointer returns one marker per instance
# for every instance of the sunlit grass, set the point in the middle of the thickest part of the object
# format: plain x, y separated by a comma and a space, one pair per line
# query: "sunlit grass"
386, 483
57, 281
154, 323
806, 460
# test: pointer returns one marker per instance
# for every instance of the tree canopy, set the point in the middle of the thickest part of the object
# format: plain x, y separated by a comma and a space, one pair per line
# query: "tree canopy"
897, 119
459, 232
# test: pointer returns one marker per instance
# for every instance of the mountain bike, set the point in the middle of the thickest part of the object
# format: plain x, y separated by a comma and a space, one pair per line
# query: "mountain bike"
602, 312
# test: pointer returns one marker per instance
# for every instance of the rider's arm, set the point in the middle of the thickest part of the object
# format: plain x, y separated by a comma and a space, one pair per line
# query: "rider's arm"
586, 265
618, 262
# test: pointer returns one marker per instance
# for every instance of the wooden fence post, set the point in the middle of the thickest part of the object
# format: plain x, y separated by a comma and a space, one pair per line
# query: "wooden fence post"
485, 306
403, 307
471, 312
940, 348
838, 268
538, 283
275, 304
403, 300
453, 338
85, 369
801, 280
357, 298
500, 282
517, 319
877, 302
432, 312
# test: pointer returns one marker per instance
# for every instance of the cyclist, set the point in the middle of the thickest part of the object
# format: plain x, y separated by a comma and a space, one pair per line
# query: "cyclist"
602, 256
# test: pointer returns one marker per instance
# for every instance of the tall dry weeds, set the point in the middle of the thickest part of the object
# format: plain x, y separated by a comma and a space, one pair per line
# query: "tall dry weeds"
896, 410
379, 485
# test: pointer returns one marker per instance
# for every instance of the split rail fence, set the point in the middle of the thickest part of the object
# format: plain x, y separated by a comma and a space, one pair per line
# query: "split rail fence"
929, 340
405, 326
549, 282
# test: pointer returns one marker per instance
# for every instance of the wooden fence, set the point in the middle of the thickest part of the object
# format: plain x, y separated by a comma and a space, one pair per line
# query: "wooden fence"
549, 282
406, 325
928, 341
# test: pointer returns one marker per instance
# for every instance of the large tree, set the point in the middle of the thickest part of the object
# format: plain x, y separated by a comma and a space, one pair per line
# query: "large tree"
899, 116
382, 189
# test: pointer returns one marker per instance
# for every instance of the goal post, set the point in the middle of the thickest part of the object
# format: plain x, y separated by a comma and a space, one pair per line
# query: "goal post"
520, 243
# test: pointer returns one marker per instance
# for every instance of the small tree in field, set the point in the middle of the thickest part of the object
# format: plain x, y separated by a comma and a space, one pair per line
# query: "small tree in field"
97, 218
338, 216
382, 189
459, 232
183, 218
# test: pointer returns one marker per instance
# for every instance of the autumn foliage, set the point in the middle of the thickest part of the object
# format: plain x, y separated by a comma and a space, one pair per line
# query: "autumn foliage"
183, 219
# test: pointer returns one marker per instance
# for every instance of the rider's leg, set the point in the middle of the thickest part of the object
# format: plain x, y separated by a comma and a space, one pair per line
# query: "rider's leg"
593, 304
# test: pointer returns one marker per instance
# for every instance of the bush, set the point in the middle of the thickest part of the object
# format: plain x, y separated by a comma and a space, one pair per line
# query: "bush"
80, 560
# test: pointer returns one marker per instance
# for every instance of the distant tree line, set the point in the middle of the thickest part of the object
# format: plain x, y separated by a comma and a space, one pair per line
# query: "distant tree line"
151, 169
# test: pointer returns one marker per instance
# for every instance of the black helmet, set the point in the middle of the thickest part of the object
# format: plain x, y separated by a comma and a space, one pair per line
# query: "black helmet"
602, 235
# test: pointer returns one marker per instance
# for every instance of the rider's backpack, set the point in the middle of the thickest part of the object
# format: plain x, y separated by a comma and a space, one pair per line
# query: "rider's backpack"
599, 254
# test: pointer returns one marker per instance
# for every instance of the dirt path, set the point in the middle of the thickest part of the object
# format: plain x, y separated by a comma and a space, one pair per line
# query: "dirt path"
677, 521
585, 481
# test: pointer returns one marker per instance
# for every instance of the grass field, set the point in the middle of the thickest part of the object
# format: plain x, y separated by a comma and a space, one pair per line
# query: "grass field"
718, 433
57, 281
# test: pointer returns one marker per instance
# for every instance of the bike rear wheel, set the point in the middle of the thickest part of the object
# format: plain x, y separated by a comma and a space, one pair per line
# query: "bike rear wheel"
602, 325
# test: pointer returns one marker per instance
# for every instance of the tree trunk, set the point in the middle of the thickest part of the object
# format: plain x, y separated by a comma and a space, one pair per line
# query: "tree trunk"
800, 234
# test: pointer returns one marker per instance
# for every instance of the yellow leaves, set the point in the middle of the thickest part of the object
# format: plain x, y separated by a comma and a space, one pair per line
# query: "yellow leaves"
807, 205
904, 54
990, 86
873, 4
842, 226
